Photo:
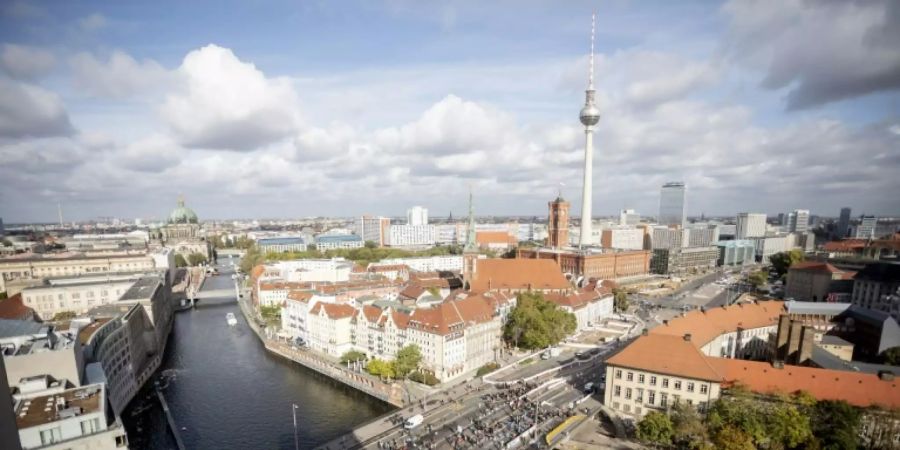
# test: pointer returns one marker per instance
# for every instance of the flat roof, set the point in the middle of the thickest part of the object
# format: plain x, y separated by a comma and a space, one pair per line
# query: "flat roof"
12, 328
142, 289
85, 333
48, 257
64, 405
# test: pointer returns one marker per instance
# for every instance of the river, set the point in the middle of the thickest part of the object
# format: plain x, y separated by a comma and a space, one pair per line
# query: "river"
226, 392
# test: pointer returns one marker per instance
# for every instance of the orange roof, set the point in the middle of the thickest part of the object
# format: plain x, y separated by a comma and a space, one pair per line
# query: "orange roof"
474, 309
856, 388
282, 285
815, 266
412, 291
13, 308
704, 326
303, 296
493, 299
439, 319
671, 355
576, 300
371, 313
844, 245
389, 268
520, 274
494, 237
334, 310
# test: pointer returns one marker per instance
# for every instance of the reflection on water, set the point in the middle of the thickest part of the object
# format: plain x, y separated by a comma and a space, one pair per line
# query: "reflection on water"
225, 391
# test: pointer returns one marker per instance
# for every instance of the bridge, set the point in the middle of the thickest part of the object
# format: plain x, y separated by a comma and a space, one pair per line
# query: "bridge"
214, 293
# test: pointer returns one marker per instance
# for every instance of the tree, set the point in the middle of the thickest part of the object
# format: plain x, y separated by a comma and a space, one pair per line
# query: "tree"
371, 244
380, 368
196, 259
180, 261
64, 315
655, 428
733, 438
836, 424
251, 259
690, 432
758, 279
537, 323
788, 426
739, 411
620, 299
352, 356
408, 359
891, 356
784, 260
6, 242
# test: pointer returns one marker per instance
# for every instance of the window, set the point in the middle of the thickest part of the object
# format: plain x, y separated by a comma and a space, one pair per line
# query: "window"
617, 391
90, 426
628, 393
627, 408
703, 388
678, 385
665, 382
652, 381
50, 436
690, 387
651, 397
619, 374
663, 399
630, 376
640, 396
641, 378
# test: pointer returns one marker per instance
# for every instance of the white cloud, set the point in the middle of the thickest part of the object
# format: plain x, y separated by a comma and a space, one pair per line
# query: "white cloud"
819, 51
27, 110
155, 153
229, 104
120, 76
93, 22
25, 62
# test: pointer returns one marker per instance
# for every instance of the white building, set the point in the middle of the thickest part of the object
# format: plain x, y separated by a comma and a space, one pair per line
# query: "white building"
373, 229
303, 270
750, 225
445, 234
425, 263
78, 294
866, 227
669, 238
295, 313
330, 328
702, 235
798, 221
628, 217
33, 267
589, 307
30, 349
411, 235
417, 216
73, 419
770, 245
622, 238
338, 241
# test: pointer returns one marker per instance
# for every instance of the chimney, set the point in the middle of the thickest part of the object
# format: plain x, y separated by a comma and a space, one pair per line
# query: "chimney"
687, 337
793, 347
806, 344
781, 337
885, 375
703, 309
666, 322
645, 332
778, 364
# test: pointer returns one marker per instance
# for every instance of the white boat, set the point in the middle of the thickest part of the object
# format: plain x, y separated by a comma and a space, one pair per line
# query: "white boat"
231, 319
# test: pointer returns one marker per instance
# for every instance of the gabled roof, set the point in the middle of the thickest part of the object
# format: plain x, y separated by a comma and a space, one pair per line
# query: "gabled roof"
519, 274
844, 245
439, 319
413, 291
576, 300
494, 237
666, 354
704, 326
13, 308
334, 310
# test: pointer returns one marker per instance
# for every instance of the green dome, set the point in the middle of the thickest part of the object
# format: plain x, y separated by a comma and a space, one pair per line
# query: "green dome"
182, 214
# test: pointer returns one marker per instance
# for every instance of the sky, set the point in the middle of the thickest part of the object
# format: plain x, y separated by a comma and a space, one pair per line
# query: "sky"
287, 109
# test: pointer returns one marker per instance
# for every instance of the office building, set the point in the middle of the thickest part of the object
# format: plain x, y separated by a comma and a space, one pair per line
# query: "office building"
425, 263
736, 253
417, 216
702, 235
798, 221
558, 223
373, 229
78, 294
30, 348
683, 260
281, 245
750, 225
813, 281
877, 287
622, 238
603, 264
669, 237
411, 236
672, 207
866, 227
628, 217
843, 225
332, 270
338, 241
18, 272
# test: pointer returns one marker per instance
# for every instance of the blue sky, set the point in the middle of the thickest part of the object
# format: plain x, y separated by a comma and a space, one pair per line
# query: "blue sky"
291, 109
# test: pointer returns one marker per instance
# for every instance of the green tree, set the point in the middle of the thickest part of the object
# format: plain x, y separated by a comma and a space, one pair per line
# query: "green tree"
64, 315
371, 244
655, 428
787, 425
732, 438
836, 425
537, 323
251, 259
758, 279
690, 431
891, 356
783, 260
180, 261
740, 411
380, 368
408, 359
196, 259
620, 299
6, 242
352, 356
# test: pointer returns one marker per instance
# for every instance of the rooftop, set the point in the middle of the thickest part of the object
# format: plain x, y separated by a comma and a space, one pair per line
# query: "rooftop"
67, 404
142, 289
666, 354
13, 328
85, 333
532, 274
706, 325
280, 241
13, 309
338, 238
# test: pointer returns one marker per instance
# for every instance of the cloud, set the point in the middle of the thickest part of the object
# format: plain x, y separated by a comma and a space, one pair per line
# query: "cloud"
27, 110
93, 22
120, 76
25, 62
151, 154
819, 51
229, 104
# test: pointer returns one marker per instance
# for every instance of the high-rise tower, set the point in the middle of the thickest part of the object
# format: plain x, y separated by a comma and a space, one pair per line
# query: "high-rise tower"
470, 251
589, 116
558, 223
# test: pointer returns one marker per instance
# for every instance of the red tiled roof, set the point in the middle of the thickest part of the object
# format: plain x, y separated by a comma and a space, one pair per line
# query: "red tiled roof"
334, 310
844, 245
814, 266
519, 274
13, 308
494, 237
412, 291
856, 388
705, 326
389, 268
665, 354
302, 296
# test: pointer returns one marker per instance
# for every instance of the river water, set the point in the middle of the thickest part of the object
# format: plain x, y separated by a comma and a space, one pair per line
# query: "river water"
226, 392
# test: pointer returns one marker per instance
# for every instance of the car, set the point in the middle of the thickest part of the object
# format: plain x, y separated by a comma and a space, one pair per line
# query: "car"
589, 388
595, 351
582, 355
413, 421
545, 355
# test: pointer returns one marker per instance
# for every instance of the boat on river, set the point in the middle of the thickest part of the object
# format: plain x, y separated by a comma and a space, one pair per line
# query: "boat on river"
231, 319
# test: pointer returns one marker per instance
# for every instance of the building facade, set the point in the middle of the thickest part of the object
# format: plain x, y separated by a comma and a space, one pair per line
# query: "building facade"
411, 236
681, 261
417, 216
672, 205
604, 265
338, 241
281, 245
628, 217
866, 227
798, 221
373, 229
37, 267
750, 225
558, 223
736, 253
622, 238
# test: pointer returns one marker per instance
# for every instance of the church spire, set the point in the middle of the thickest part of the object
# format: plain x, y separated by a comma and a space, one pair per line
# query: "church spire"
471, 246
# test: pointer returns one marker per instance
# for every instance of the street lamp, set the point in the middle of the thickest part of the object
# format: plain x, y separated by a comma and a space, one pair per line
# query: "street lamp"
296, 439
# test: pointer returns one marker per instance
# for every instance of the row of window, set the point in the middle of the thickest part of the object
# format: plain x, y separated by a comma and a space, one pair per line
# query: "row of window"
676, 383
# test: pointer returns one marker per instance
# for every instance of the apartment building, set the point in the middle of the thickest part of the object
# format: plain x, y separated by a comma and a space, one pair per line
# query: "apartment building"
622, 238
78, 294
17, 270
30, 349
426, 263
411, 235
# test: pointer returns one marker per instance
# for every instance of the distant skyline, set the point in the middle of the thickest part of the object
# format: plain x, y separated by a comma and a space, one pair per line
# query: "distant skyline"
287, 109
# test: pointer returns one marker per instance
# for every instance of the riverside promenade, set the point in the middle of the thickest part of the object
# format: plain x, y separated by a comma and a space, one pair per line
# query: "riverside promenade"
396, 394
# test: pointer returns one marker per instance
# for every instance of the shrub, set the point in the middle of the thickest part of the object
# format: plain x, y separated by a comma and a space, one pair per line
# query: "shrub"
486, 369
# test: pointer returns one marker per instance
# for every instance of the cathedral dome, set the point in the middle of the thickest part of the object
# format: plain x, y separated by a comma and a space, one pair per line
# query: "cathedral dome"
183, 214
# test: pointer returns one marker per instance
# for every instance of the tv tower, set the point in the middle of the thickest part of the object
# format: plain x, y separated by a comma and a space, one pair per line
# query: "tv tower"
589, 116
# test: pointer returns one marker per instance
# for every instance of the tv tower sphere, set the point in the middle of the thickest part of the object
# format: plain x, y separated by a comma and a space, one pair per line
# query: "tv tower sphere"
590, 114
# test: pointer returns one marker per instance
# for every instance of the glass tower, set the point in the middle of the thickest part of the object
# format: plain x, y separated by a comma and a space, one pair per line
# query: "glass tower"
672, 204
